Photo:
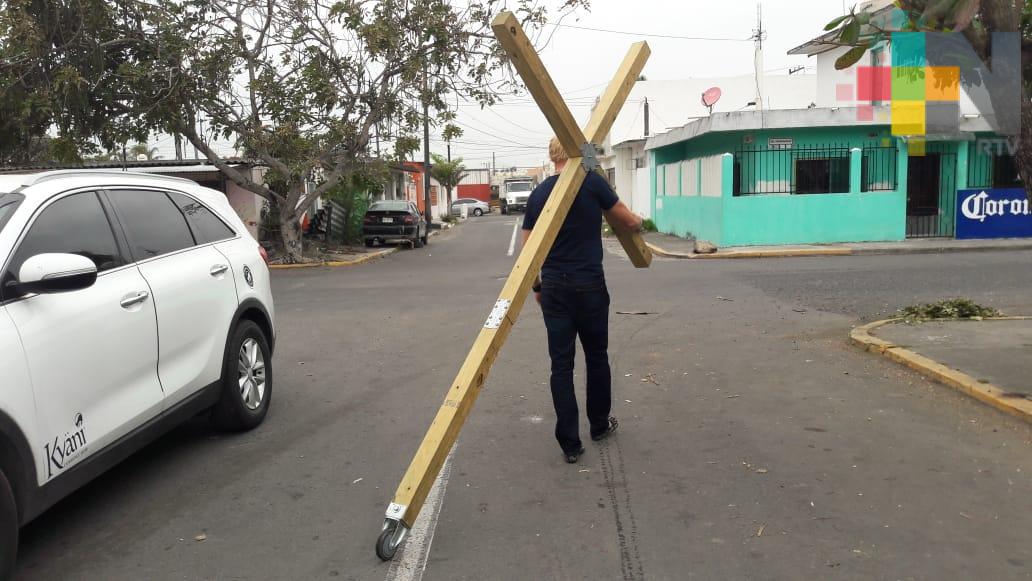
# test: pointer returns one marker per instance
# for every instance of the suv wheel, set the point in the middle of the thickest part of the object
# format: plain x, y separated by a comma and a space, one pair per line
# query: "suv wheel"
246, 380
8, 529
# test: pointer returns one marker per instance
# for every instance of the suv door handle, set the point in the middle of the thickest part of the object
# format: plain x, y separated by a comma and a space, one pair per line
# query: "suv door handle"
132, 300
218, 270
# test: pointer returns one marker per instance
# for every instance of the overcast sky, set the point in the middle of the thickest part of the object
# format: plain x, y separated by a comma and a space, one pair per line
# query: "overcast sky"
582, 61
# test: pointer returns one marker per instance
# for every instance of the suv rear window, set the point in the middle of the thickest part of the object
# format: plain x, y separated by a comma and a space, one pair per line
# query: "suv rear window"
206, 225
153, 224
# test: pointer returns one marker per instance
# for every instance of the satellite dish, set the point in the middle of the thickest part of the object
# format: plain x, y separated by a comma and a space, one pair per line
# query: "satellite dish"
710, 97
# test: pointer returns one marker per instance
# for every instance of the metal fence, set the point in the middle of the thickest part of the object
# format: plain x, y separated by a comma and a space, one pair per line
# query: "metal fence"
990, 168
878, 172
799, 170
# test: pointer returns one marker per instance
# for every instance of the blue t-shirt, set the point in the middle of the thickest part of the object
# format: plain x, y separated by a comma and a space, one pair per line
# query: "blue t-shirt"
577, 252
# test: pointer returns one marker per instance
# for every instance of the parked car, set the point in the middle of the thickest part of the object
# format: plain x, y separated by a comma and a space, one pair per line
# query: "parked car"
475, 207
394, 221
128, 304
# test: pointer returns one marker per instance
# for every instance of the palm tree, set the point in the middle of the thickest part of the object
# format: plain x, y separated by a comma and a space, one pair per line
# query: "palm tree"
448, 173
141, 149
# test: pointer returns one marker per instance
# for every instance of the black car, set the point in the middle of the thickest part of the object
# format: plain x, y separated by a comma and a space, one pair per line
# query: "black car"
394, 221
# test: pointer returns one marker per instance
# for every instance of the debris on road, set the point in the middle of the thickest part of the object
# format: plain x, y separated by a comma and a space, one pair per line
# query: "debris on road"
357, 480
201, 538
725, 299
650, 378
636, 313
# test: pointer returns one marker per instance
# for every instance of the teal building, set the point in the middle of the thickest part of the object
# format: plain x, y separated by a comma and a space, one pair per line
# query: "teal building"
815, 176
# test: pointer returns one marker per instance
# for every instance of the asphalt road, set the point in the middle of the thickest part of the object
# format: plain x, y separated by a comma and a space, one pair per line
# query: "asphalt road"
760, 445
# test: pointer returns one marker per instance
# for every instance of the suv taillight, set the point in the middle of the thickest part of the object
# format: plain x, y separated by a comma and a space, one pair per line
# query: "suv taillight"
410, 220
369, 219
265, 255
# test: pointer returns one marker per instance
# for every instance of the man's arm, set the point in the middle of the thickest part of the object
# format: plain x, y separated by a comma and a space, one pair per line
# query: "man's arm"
622, 218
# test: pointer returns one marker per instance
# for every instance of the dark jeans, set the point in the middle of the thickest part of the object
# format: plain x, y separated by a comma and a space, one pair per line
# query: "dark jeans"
571, 309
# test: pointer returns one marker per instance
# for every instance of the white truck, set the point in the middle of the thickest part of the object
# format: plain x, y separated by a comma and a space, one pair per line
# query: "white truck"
515, 193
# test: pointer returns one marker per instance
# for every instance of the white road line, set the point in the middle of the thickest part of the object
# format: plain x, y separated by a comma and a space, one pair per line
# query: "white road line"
410, 562
512, 243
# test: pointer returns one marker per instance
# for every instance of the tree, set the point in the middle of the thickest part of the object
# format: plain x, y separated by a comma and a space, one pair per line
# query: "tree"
448, 173
977, 20
139, 149
62, 96
299, 86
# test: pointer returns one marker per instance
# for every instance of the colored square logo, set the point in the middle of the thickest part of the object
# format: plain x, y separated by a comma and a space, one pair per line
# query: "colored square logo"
908, 117
908, 83
865, 113
874, 84
844, 92
942, 84
909, 50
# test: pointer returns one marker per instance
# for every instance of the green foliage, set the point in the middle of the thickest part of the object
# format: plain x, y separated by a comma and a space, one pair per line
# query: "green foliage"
648, 225
59, 74
947, 309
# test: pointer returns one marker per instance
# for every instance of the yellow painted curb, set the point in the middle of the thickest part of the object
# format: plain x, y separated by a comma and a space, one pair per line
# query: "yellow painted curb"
984, 392
732, 254
335, 263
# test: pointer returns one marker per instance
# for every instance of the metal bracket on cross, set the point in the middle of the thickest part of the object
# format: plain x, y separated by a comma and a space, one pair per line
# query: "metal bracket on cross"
583, 157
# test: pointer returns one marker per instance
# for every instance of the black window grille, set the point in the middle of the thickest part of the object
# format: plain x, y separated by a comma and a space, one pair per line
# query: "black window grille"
799, 170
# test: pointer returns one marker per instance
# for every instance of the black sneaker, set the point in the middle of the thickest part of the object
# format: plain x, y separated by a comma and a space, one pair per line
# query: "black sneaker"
572, 457
609, 430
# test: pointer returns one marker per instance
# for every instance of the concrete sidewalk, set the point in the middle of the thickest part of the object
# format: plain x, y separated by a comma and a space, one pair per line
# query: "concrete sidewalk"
988, 359
675, 247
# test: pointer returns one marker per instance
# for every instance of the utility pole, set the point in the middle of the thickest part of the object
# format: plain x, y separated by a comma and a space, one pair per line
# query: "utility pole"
758, 35
646, 116
426, 150
449, 151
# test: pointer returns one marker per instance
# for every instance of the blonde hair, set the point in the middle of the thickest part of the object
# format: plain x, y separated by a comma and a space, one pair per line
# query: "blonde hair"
556, 152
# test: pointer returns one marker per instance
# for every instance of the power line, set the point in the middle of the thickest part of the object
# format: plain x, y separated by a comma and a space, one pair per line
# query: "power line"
654, 35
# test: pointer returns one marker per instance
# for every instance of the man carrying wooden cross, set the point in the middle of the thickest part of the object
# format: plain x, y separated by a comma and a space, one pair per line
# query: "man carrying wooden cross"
575, 301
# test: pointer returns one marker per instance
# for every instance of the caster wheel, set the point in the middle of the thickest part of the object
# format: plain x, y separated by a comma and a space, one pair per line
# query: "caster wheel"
390, 540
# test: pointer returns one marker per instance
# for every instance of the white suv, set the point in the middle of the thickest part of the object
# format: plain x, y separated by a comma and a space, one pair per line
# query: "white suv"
128, 303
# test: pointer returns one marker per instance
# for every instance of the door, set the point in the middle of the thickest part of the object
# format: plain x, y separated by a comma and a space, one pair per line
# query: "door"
192, 284
931, 193
92, 353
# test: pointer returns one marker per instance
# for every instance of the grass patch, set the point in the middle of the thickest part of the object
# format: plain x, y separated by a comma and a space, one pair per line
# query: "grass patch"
648, 225
947, 309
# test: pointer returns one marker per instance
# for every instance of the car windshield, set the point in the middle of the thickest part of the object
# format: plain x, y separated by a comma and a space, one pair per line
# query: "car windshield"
389, 207
8, 203
520, 187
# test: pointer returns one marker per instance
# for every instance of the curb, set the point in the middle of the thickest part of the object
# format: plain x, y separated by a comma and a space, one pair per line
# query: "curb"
336, 263
732, 254
984, 392
939, 249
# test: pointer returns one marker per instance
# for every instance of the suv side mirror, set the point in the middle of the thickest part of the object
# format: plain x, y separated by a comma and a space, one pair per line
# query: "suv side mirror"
55, 273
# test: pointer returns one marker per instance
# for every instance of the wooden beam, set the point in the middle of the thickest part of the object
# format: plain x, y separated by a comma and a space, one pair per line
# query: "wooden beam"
602, 121
613, 99
534, 74
463, 393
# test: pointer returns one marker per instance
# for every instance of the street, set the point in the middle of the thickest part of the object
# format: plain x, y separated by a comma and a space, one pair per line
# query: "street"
754, 443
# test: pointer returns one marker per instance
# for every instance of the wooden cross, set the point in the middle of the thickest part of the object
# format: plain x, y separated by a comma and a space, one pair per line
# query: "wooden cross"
443, 432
